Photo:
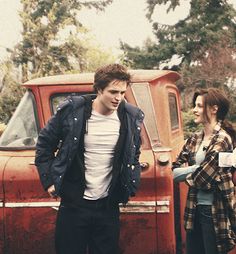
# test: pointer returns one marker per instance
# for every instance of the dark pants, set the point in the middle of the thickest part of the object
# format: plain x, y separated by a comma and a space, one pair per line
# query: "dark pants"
202, 240
92, 228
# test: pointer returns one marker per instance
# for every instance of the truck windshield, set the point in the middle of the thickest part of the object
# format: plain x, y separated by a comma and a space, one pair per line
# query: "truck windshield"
21, 131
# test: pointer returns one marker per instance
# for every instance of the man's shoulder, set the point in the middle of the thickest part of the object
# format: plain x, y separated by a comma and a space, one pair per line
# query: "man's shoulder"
134, 111
63, 105
74, 101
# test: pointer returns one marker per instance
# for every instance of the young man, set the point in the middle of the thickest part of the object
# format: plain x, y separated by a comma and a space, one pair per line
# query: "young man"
96, 166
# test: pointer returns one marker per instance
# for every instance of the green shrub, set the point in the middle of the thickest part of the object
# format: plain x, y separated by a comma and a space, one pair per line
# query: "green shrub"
189, 125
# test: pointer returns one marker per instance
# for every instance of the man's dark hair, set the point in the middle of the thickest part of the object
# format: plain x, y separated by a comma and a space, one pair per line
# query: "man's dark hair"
104, 75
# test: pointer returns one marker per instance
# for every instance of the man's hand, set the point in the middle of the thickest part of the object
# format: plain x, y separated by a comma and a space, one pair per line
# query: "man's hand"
51, 191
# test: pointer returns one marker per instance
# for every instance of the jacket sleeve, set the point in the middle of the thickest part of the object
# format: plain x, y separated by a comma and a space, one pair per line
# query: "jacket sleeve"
179, 174
208, 173
135, 170
47, 145
135, 167
184, 155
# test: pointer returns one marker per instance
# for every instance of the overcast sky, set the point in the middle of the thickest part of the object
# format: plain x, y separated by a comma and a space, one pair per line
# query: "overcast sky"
123, 20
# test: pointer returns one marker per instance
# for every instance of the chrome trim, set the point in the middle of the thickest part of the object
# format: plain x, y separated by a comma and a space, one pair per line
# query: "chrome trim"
141, 203
160, 206
163, 206
138, 207
31, 204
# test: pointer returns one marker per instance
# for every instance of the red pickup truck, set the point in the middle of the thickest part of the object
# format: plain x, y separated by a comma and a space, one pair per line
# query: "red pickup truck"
150, 223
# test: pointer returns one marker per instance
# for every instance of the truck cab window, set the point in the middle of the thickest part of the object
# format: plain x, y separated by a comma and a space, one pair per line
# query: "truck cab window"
146, 104
174, 118
58, 99
22, 129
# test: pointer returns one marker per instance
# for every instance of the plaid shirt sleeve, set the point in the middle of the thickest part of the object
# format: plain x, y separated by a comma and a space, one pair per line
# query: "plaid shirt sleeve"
208, 173
185, 154
227, 189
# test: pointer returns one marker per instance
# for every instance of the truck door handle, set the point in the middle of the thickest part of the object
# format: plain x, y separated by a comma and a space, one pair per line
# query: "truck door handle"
144, 165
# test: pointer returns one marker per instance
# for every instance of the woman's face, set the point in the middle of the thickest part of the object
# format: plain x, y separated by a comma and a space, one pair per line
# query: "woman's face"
198, 110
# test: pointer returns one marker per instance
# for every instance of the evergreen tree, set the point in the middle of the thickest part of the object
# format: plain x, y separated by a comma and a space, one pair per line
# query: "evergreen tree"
11, 91
205, 41
43, 50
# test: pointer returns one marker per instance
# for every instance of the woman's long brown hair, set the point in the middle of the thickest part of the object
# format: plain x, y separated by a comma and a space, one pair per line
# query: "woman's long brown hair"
214, 96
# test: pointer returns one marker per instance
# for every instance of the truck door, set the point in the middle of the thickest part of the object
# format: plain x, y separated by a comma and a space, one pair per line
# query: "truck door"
157, 126
28, 214
3, 162
138, 217
176, 142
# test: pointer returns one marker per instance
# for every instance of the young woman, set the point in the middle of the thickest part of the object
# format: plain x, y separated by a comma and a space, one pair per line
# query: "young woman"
210, 213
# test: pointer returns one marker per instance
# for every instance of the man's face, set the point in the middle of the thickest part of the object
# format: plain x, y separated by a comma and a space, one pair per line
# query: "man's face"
110, 97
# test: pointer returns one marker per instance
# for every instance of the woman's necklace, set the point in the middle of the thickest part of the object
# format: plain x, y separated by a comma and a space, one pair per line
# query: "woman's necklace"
206, 141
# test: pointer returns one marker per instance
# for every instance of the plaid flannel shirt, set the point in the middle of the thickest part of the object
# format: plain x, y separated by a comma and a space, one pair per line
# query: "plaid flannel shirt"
209, 176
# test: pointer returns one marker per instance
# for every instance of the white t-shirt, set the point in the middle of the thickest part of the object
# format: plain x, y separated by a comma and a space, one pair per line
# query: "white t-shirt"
99, 142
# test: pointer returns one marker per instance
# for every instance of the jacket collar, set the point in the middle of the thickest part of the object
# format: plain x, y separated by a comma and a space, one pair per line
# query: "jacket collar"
88, 106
